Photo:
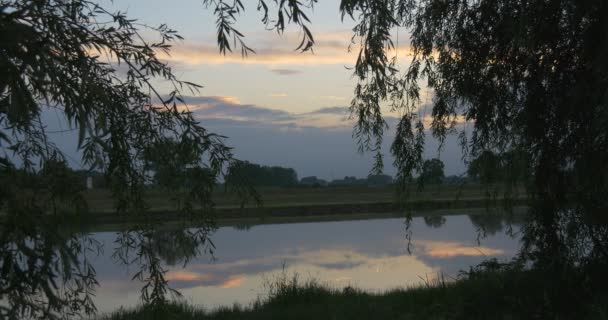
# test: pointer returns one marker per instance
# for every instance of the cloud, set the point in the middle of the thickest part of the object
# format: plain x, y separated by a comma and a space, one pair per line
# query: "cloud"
335, 98
331, 48
183, 276
219, 107
202, 54
443, 250
189, 279
341, 263
332, 110
232, 282
285, 72
230, 111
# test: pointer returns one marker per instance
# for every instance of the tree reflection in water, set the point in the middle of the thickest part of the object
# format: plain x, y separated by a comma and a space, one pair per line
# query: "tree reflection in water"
47, 272
149, 249
434, 220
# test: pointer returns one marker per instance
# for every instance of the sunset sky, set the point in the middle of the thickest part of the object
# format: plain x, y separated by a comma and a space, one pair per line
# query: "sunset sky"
278, 106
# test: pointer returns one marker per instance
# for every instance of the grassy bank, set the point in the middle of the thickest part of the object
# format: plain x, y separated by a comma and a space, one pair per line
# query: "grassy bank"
491, 291
158, 199
310, 202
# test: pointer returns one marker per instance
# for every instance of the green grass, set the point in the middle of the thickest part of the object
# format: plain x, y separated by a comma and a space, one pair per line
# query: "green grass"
100, 200
303, 203
490, 292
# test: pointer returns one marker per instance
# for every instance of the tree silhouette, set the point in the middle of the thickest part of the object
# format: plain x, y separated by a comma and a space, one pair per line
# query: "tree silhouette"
64, 57
509, 76
432, 172
261, 175
434, 220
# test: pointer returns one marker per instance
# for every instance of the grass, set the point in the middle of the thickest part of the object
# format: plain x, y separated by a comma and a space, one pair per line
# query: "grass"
489, 291
307, 202
296, 205
101, 200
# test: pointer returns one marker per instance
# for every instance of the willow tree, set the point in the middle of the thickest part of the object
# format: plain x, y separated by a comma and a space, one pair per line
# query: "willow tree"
94, 69
507, 76
517, 77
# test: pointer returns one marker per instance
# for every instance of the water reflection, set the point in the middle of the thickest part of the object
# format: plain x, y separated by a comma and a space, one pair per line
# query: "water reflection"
117, 268
434, 221
492, 222
174, 246
49, 267
370, 254
45, 270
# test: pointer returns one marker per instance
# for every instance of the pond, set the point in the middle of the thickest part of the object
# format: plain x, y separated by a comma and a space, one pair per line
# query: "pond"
370, 254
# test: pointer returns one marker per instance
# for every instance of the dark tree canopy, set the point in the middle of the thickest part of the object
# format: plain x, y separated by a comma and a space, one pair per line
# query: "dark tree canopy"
519, 77
528, 77
174, 166
313, 181
379, 180
486, 167
434, 220
491, 168
259, 175
93, 68
432, 172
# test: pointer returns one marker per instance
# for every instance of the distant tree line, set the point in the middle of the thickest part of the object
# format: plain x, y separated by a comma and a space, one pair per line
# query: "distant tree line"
488, 168
259, 175
372, 180
58, 170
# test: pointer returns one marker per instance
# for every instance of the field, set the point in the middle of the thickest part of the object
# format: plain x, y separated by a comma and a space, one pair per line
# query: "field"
318, 202
100, 199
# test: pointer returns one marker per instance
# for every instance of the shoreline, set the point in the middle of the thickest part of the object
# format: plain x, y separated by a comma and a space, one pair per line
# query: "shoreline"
249, 217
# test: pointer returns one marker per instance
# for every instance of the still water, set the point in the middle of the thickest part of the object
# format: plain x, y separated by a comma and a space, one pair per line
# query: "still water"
368, 254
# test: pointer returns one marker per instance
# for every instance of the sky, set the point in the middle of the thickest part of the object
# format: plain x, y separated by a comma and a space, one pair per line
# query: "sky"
278, 106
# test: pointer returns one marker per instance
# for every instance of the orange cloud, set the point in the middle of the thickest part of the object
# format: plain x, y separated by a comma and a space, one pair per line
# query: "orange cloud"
335, 98
183, 276
330, 48
440, 249
205, 54
232, 282
229, 99
205, 279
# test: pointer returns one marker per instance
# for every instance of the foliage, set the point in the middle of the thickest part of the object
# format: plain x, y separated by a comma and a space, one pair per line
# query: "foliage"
313, 181
486, 167
527, 77
348, 181
379, 180
431, 173
259, 175
508, 167
434, 220
175, 168
169, 161
143, 249
287, 12
95, 69
45, 270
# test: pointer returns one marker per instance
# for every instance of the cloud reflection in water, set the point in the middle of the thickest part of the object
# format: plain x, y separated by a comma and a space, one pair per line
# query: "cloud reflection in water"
369, 254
